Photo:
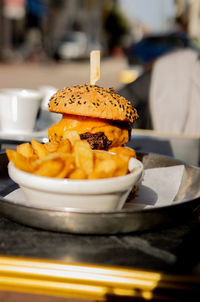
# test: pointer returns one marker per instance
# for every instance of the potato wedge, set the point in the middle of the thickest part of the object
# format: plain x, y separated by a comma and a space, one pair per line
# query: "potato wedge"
39, 148
102, 155
123, 151
51, 147
78, 173
20, 161
26, 150
122, 164
69, 165
84, 156
73, 136
104, 169
50, 168
65, 146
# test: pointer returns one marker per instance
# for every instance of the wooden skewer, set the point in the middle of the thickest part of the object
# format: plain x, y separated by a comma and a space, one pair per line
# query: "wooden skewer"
94, 66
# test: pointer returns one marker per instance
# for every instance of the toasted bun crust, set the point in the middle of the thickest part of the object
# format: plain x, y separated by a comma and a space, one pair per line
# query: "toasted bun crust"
92, 101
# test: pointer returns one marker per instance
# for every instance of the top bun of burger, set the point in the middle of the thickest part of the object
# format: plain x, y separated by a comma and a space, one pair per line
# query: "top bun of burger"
99, 115
93, 101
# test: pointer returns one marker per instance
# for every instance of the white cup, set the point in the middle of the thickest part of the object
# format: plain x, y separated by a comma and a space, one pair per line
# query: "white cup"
18, 109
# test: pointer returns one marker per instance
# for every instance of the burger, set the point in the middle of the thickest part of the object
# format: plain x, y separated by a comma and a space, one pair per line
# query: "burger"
100, 116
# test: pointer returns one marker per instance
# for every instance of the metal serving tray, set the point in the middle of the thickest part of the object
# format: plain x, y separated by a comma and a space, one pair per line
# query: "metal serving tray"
123, 221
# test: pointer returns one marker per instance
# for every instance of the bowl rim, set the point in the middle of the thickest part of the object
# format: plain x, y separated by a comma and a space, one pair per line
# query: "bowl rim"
61, 185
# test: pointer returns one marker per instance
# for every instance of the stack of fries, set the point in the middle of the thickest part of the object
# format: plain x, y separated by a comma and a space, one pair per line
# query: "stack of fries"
72, 158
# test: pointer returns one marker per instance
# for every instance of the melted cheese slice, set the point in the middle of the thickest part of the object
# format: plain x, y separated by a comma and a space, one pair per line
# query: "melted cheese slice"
118, 136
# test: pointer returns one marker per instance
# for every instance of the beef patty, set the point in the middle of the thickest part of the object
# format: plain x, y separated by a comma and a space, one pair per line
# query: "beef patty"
98, 141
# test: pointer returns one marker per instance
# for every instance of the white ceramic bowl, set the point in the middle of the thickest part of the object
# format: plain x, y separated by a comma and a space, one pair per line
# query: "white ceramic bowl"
106, 194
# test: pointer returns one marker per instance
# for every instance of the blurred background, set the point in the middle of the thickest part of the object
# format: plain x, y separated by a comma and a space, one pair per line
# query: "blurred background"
48, 42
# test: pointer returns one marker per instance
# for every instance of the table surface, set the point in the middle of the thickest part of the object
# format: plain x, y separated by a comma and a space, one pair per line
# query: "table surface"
170, 250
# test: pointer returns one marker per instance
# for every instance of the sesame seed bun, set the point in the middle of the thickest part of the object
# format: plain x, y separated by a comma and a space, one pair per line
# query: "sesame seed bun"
92, 101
